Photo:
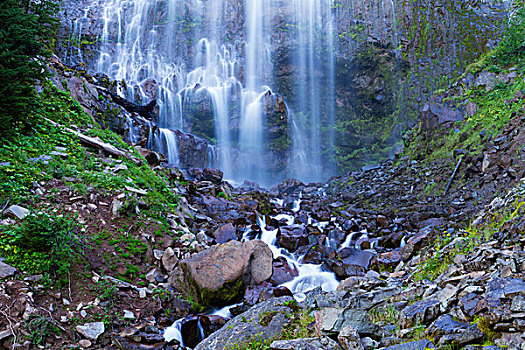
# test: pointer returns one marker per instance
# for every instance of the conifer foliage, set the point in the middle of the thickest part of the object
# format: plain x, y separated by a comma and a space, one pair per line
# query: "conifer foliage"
27, 29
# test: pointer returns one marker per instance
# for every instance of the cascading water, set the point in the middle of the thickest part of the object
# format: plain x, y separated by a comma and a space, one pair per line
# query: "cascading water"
314, 88
309, 277
210, 67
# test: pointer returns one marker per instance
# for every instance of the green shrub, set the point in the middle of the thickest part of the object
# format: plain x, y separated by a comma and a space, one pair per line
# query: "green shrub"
512, 47
39, 328
42, 244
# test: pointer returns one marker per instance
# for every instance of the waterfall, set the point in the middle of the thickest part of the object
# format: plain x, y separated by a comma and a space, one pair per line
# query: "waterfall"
314, 58
210, 66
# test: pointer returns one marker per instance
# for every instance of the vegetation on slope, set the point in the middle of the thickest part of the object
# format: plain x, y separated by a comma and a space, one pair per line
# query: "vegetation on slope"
26, 31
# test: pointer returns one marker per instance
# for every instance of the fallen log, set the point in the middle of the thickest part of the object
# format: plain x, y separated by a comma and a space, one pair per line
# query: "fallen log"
453, 176
96, 142
146, 111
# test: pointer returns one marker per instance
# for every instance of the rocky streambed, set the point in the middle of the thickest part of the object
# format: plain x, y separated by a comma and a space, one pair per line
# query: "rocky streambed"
352, 263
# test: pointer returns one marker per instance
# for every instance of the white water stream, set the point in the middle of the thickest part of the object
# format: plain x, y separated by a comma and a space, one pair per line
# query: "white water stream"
309, 276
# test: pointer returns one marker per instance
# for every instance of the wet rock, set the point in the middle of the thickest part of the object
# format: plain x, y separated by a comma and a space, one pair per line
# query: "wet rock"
448, 331
6, 271
282, 271
16, 212
212, 175
266, 320
350, 262
253, 293
219, 275
190, 331
291, 237
212, 323
193, 151
382, 221
323, 343
289, 186
91, 330
310, 254
424, 311
225, 233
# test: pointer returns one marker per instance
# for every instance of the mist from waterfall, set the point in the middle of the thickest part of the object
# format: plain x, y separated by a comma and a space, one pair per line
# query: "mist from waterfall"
181, 54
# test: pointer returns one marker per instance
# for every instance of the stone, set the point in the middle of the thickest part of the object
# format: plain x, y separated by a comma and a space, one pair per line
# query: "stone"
213, 175
415, 345
503, 288
518, 304
448, 331
472, 304
351, 262
289, 186
120, 167
59, 154
129, 315
91, 330
84, 343
150, 276
423, 311
6, 271
326, 320
446, 295
323, 343
487, 80
169, 260
349, 339
225, 233
16, 212
116, 206
359, 320
292, 237
266, 320
382, 221
283, 271
158, 253
220, 274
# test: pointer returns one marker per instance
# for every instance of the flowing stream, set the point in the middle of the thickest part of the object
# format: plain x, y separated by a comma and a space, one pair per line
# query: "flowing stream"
309, 276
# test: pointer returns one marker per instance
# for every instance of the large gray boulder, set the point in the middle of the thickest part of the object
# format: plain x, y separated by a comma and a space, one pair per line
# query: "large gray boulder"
219, 275
265, 320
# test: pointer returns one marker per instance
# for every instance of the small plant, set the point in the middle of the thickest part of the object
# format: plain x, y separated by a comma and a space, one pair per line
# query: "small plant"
387, 315
257, 342
39, 328
42, 244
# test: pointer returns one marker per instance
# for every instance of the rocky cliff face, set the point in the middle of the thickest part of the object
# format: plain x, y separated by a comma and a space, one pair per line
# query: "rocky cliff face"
389, 56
